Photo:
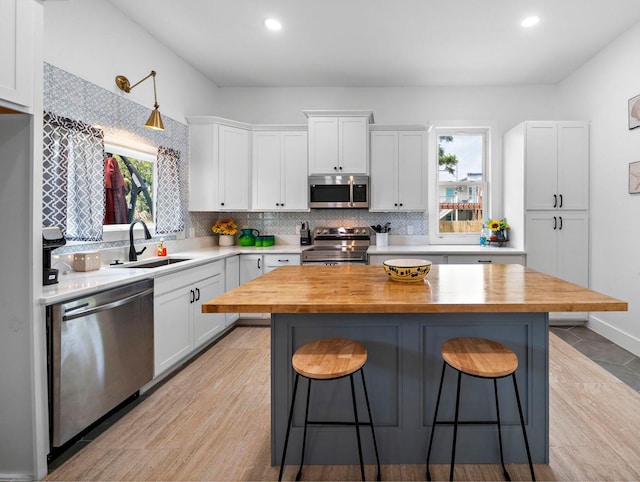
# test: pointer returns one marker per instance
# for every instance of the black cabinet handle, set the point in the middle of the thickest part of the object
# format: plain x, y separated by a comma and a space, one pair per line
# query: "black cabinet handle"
221, 204
555, 223
197, 294
259, 259
395, 204
484, 261
401, 204
560, 201
283, 260
335, 168
560, 217
193, 296
555, 200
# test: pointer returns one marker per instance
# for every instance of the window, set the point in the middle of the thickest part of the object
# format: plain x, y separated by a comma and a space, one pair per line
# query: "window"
130, 192
461, 188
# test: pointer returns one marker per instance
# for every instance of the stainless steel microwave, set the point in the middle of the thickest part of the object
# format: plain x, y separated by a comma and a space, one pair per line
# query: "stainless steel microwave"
339, 191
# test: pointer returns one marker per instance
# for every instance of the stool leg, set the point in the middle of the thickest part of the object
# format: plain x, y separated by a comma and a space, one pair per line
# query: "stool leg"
304, 435
524, 432
455, 428
355, 415
495, 392
433, 425
286, 439
373, 432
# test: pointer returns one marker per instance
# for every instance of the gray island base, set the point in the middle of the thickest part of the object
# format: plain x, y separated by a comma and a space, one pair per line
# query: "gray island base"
402, 375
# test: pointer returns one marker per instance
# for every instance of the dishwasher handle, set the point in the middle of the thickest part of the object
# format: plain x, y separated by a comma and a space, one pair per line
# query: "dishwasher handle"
108, 306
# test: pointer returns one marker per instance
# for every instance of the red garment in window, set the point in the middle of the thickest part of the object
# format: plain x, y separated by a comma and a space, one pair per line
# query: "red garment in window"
115, 190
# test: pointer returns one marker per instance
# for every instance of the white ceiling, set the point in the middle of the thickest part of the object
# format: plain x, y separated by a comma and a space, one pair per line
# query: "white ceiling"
375, 43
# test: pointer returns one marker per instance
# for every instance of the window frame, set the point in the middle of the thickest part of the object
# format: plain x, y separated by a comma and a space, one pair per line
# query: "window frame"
435, 237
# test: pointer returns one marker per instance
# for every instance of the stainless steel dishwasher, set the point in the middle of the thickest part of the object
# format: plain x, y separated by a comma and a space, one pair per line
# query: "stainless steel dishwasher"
100, 352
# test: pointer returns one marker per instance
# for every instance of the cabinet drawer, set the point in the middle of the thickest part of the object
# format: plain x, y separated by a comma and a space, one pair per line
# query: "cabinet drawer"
378, 259
275, 260
487, 259
173, 281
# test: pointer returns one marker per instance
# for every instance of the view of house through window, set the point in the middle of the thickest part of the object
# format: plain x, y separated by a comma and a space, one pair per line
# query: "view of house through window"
129, 184
461, 181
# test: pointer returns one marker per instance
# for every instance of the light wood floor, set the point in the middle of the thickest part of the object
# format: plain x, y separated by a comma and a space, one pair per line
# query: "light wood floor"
211, 422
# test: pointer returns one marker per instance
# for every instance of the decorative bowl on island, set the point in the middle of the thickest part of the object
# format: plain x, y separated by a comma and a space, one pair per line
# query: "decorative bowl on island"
408, 270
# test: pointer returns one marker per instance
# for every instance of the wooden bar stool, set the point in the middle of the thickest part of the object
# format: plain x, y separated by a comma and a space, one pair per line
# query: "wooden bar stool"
482, 358
329, 359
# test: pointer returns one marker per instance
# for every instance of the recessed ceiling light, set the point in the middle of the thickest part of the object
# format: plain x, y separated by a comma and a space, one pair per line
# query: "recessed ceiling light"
273, 24
530, 21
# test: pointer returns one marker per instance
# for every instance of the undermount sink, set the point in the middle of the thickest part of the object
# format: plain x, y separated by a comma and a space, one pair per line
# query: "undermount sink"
155, 263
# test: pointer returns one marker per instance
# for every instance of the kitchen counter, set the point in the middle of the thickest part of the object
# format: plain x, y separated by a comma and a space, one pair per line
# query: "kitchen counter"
76, 284
403, 326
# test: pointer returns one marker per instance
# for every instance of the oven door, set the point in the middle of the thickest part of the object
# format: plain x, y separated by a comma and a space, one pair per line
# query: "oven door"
333, 257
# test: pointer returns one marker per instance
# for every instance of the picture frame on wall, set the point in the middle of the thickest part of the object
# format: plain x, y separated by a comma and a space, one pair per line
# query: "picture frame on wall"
634, 112
634, 177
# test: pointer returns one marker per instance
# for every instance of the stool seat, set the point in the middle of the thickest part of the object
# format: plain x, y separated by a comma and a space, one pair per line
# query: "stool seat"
479, 357
329, 358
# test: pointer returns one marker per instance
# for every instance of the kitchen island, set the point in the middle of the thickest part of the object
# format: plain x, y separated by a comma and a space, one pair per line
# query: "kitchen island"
403, 326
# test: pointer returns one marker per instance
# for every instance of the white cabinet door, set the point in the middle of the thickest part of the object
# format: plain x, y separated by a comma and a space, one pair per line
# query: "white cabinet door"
573, 165
542, 242
412, 171
232, 280
573, 247
206, 325
17, 51
203, 167
234, 168
541, 165
398, 170
384, 172
323, 145
338, 145
267, 171
352, 145
280, 171
250, 268
557, 244
557, 165
295, 195
172, 328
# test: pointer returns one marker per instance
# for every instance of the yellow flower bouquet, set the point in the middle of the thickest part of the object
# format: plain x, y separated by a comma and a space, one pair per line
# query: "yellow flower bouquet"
496, 225
225, 226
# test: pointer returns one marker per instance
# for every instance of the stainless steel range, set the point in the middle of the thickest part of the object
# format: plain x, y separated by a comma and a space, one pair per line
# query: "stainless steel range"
338, 246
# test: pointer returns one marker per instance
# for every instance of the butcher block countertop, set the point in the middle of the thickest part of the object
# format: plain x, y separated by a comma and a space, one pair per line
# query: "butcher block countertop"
447, 289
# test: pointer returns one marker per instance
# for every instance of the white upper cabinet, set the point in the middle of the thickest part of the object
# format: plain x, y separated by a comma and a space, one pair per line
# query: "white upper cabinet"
16, 54
398, 170
557, 165
219, 165
280, 171
338, 142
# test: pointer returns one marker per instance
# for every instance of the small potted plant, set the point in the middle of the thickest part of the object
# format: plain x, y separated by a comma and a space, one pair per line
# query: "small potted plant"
226, 229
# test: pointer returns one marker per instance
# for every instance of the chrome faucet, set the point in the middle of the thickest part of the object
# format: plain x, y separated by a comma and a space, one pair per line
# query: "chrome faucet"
133, 254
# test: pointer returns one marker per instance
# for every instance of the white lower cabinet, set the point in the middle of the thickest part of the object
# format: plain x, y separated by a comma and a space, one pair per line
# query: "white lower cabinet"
378, 259
486, 259
254, 265
454, 258
231, 281
180, 327
557, 244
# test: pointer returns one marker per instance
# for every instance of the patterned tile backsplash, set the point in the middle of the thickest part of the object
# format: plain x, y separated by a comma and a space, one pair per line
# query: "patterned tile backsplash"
71, 96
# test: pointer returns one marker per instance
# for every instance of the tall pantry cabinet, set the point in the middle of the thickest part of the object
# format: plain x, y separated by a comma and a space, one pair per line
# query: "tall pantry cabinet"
546, 198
